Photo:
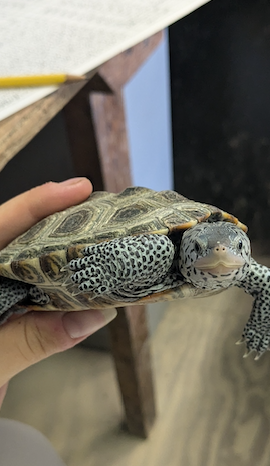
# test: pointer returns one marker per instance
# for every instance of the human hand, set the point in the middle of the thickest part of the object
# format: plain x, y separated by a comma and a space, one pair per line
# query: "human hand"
34, 336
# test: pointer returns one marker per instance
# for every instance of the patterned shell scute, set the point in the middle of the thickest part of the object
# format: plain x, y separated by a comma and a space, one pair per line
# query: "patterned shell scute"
28, 270
31, 234
74, 223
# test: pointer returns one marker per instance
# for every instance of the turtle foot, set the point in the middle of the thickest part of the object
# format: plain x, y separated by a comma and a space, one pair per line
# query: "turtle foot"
257, 341
38, 296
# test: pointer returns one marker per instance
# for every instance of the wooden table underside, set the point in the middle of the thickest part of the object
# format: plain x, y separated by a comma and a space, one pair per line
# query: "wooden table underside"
95, 120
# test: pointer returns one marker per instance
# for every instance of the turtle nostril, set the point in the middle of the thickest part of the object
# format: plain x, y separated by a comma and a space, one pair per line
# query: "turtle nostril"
220, 248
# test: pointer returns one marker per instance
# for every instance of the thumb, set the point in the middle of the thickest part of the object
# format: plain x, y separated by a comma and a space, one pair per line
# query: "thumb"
37, 335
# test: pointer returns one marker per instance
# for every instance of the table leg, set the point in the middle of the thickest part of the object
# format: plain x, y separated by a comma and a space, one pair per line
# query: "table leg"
95, 121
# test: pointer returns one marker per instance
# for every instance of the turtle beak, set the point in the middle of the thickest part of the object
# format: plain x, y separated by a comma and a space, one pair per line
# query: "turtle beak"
220, 260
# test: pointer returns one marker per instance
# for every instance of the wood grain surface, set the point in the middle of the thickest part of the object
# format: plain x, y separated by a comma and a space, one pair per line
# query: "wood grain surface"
213, 405
18, 129
130, 348
96, 127
95, 122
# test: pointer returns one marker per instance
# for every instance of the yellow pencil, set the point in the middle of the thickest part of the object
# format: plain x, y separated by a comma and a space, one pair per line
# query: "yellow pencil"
38, 80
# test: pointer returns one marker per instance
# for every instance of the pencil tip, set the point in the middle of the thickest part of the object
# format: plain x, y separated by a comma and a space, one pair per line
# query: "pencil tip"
73, 78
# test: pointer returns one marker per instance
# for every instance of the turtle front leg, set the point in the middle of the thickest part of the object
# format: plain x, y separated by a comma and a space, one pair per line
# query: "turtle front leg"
128, 268
256, 333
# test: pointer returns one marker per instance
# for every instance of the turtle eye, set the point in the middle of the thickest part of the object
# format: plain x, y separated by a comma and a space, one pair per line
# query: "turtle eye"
197, 247
240, 244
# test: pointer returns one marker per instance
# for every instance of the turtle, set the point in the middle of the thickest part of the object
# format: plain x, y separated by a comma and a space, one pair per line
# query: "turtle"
134, 247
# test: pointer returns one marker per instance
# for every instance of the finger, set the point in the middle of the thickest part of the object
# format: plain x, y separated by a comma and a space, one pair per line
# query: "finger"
23, 211
37, 335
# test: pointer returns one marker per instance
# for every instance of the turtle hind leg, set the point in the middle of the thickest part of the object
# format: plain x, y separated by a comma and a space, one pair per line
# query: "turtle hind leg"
12, 292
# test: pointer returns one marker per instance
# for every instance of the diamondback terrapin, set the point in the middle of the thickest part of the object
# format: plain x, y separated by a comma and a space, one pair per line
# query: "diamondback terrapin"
138, 246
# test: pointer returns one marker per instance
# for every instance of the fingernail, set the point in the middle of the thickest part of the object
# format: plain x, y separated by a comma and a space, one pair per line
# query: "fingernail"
81, 323
72, 181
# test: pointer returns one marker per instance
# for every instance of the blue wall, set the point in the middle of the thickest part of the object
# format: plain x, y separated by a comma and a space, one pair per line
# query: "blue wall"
147, 100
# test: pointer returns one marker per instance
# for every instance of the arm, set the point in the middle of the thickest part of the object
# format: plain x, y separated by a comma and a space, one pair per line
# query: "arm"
32, 337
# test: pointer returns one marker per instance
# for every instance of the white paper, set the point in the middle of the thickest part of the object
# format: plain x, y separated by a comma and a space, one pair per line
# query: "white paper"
73, 37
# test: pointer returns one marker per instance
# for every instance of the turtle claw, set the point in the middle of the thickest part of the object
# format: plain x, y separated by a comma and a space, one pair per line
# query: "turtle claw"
240, 341
75, 293
65, 268
68, 281
259, 353
72, 287
258, 356
255, 342
74, 290
249, 351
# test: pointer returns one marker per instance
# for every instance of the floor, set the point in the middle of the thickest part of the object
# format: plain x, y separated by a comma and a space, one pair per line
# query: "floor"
213, 405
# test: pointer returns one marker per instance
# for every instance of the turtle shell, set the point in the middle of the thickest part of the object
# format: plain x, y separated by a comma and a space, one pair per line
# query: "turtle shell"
39, 255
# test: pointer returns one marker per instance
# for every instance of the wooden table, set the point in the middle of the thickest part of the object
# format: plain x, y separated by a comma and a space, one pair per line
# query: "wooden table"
95, 119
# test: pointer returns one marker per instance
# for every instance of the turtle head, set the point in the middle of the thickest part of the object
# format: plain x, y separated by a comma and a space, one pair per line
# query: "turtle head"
214, 255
